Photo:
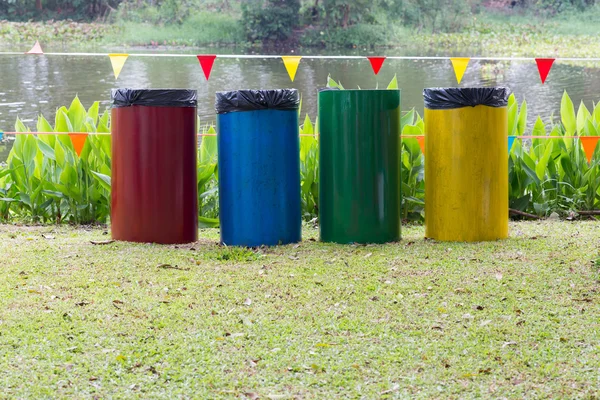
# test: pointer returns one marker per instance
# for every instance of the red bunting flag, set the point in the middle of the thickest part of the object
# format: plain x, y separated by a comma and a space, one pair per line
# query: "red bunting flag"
376, 63
544, 65
589, 146
78, 140
36, 49
206, 62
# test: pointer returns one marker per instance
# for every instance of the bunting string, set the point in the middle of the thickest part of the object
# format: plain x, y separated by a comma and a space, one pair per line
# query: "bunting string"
312, 57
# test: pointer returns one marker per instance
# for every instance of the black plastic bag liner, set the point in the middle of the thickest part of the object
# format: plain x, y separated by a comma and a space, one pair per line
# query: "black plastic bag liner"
450, 98
154, 97
252, 100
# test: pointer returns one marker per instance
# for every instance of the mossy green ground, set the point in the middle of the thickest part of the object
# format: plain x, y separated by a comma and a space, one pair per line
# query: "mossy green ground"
416, 319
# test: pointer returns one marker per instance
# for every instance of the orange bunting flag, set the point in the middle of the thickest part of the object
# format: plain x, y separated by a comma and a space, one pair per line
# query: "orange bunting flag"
291, 65
589, 146
78, 140
118, 61
421, 140
376, 63
544, 65
460, 65
36, 49
206, 62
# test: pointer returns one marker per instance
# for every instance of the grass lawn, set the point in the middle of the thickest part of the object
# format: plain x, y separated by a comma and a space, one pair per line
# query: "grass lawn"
418, 319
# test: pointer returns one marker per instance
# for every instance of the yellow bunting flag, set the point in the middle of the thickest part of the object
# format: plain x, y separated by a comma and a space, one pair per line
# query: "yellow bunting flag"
36, 49
291, 65
460, 66
118, 61
78, 140
589, 146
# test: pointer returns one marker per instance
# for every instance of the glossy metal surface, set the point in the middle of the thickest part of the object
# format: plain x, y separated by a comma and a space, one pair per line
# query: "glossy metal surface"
466, 174
359, 162
259, 177
154, 187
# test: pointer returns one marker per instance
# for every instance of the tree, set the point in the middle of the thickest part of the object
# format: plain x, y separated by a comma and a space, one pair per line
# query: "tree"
343, 13
270, 20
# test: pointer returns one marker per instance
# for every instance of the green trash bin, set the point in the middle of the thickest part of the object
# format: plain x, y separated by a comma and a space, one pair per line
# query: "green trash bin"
359, 166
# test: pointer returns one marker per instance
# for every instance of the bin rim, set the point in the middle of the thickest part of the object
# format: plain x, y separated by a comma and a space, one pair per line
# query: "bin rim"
241, 100
447, 98
128, 97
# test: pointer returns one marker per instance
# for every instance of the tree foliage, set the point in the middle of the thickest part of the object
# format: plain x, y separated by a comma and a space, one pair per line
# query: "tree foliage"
22, 10
270, 20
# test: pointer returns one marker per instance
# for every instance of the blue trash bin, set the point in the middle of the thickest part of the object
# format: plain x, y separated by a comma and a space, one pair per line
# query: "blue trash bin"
259, 167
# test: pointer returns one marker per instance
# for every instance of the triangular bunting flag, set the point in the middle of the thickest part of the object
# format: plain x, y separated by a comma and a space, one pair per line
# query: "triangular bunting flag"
117, 61
36, 49
78, 140
291, 65
376, 63
206, 62
589, 146
544, 65
421, 140
511, 141
460, 66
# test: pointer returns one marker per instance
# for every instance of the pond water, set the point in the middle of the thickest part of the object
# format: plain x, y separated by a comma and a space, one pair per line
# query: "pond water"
40, 84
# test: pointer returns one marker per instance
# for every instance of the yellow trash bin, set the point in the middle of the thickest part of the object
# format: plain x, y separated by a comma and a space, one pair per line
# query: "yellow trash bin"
466, 166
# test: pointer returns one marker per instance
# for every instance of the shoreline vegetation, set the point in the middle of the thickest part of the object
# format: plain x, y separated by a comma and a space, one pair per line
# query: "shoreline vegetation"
487, 34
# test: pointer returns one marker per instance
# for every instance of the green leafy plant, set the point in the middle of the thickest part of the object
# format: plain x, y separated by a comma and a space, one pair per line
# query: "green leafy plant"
45, 181
49, 181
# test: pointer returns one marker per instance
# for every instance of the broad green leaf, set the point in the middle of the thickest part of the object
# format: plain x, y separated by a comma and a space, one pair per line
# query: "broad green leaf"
46, 150
583, 115
204, 223
43, 125
394, 83
589, 128
407, 119
411, 130
208, 148
567, 115
60, 120
539, 128
307, 128
512, 119
104, 180
59, 153
521, 203
93, 112
596, 113
20, 126
30, 148
77, 115
540, 168
522, 121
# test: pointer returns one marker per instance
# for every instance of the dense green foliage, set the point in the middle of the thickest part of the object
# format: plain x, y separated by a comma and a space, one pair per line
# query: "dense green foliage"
23, 10
269, 20
45, 181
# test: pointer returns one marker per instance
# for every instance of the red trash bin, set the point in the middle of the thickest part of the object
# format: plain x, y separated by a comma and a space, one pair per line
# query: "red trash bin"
154, 185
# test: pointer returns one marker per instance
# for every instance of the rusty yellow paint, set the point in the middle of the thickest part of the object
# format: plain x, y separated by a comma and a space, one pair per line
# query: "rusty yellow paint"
466, 174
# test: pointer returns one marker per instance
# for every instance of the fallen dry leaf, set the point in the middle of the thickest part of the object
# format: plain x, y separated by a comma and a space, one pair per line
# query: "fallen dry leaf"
101, 242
